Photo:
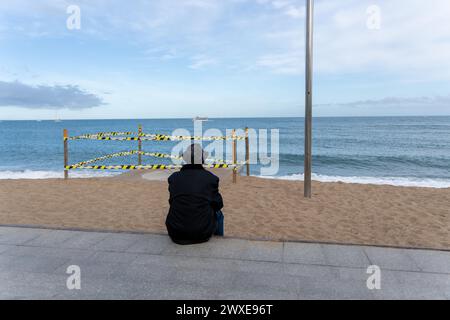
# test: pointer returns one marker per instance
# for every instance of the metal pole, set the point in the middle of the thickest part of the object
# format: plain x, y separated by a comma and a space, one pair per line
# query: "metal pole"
139, 145
247, 152
308, 96
66, 154
234, 155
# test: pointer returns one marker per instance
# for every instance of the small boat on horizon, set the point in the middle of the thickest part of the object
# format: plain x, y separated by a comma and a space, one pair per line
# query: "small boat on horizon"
200, 119
57, 118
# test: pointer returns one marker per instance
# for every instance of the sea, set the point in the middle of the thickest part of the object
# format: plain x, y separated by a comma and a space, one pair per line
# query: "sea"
400, 151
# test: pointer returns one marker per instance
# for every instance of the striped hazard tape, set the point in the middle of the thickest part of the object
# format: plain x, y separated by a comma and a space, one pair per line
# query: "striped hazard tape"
162, 137
108, 156
98, 135
131, 136
146, 167
216, 163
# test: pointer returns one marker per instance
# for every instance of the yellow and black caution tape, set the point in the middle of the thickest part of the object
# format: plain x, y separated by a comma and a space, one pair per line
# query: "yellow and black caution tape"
170, 156
108, 156
132, 136
82, 165
145, 167
162, 137
129, 153
107, 138
160, 155
98, 135
124, 167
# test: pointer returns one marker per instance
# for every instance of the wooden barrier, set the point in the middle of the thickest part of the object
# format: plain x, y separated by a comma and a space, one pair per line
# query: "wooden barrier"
139, 145
234, 151
66, 153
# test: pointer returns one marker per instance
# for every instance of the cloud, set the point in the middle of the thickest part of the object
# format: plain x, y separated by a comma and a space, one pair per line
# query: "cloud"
17, 94
288, 7
295, 12
411, 41
395, 102
202, 61
283, 63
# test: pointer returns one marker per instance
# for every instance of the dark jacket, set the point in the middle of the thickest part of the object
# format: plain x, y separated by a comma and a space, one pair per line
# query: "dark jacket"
194, 199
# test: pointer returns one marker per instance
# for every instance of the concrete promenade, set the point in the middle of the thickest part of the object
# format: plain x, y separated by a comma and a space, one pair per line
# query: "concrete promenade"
34, 262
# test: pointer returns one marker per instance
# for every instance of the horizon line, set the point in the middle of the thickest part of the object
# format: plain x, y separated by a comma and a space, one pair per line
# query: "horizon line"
224, 118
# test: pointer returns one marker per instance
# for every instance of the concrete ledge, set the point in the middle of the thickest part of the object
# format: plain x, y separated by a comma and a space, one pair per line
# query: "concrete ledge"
33, 264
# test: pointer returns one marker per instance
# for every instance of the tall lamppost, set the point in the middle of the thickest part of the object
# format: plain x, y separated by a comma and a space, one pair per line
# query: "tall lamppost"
308, 97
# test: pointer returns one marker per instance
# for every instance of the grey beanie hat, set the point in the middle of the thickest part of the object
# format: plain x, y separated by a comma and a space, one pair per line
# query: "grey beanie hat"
194, 154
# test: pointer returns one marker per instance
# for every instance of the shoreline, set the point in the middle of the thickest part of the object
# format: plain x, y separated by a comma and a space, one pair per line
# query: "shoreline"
403, 182
255, 208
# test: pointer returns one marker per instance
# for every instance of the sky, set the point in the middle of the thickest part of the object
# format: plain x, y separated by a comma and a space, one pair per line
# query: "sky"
221, 58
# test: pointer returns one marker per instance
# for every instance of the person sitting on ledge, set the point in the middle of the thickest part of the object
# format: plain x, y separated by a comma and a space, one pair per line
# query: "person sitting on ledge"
195, 202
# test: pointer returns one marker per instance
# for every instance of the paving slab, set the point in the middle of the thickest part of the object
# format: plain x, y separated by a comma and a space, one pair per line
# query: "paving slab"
151, 244
306, 253
31, 264
92, 269
4, 247
187, 262
332, 288
83, 240
168, 290
431, 261
391, 258
258, 267
423, 285
117, 242
35, 251
345, 256
215, 248
250, 285
205, 278
17, 236
113, 257
35, 286
312, 271
412, 285
52, 238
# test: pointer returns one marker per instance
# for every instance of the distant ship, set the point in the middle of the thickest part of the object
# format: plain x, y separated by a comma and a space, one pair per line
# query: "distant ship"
200, 119
57, 118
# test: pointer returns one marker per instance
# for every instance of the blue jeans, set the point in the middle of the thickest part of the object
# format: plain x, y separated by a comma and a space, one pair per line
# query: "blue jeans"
219, 223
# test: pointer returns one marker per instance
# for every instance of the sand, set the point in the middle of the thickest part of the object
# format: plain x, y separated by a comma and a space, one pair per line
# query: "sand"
255, 208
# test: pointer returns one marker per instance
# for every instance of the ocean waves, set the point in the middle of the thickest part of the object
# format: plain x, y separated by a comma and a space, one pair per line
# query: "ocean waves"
392, 181
40, 174
367, 161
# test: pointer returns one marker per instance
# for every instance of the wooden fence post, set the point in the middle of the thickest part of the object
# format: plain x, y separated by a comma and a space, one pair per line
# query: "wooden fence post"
139, 145
66, 153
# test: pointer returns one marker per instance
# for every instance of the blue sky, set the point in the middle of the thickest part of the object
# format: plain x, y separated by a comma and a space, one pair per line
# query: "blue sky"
221, 58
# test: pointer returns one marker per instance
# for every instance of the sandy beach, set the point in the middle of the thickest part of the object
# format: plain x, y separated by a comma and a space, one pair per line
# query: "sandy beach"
255, 208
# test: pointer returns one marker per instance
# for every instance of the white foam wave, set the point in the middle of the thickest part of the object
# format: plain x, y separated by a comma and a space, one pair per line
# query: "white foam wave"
393, 181
32, 174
